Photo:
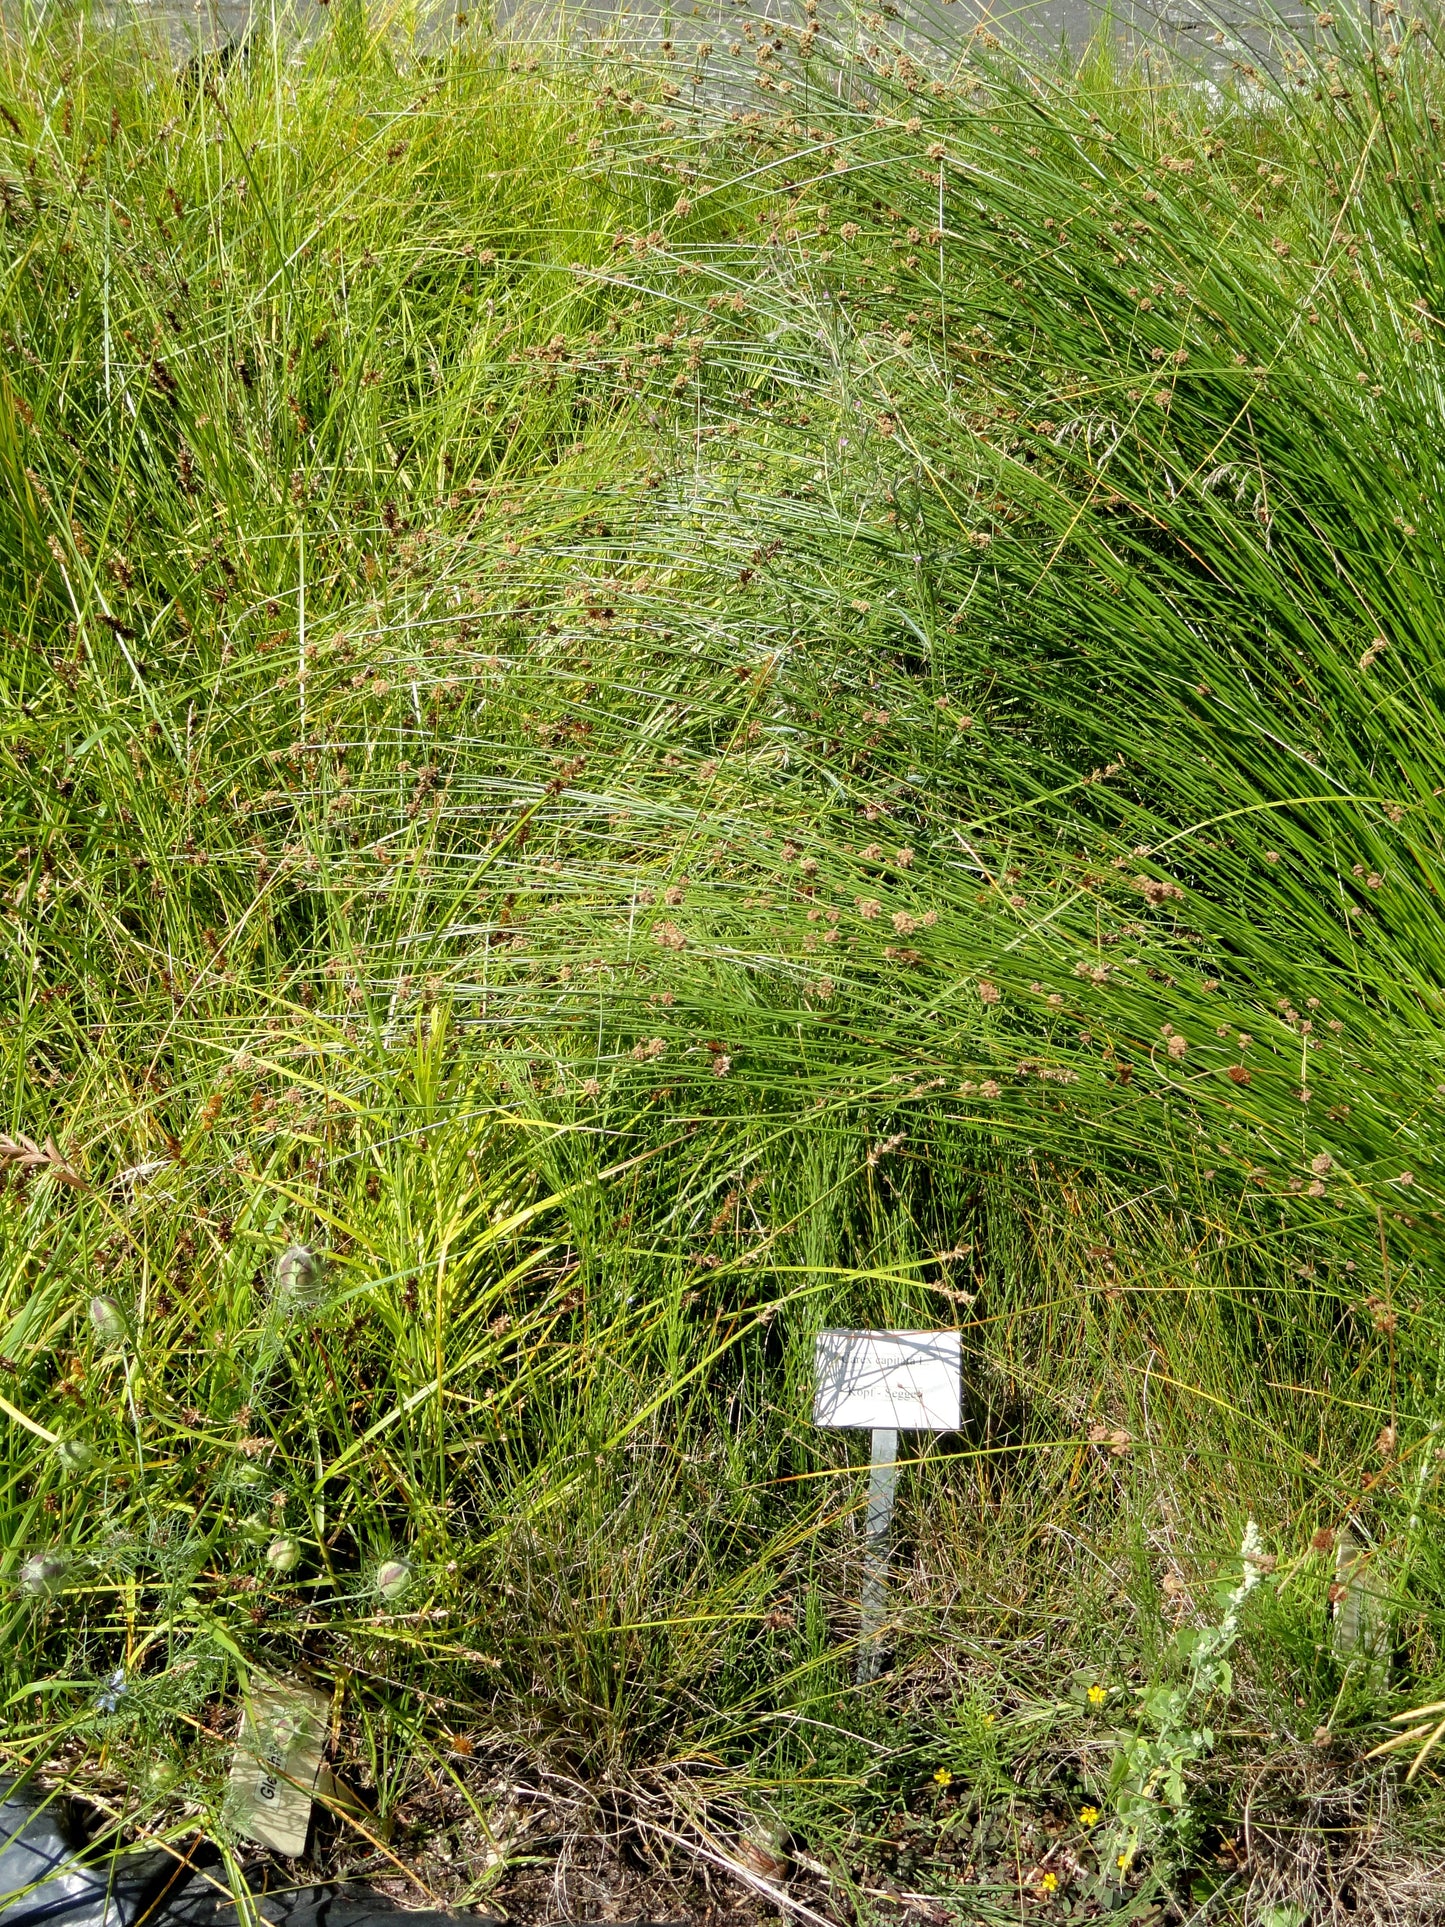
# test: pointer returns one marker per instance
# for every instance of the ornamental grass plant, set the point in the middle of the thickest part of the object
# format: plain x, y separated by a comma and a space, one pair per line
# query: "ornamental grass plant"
663, 693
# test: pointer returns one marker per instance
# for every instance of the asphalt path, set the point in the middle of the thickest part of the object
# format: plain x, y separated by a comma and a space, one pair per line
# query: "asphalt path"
1212, 32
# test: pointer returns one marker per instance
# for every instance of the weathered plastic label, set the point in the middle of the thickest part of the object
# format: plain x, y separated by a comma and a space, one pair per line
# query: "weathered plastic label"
899, 1381
278, 1756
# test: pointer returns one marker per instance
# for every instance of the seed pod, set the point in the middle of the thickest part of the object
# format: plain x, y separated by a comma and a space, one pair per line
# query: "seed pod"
107, 1320
393, 1578
284, 1554
44, 1573
160, 1776
300, 1277
764, 1851
255, 1531
760, 1859
76, 1456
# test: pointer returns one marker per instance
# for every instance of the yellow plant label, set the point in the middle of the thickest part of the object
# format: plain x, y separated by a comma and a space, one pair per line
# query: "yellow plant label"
278, 1756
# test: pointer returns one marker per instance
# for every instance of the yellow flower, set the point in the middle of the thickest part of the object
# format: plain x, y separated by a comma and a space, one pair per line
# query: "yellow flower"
943, 1777
1097, 1695
1050, 1883
1123, 1862
1088, 1816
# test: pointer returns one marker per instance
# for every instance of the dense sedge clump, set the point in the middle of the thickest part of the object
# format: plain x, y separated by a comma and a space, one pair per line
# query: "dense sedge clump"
657, 726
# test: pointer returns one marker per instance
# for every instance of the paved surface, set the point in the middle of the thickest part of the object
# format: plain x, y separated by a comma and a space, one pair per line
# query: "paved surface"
1181, 24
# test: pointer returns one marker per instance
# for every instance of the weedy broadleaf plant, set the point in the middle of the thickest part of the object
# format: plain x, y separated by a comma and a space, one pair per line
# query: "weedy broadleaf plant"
1148, 1778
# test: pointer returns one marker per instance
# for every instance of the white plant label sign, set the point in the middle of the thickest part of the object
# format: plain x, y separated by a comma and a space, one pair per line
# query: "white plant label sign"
888, 1381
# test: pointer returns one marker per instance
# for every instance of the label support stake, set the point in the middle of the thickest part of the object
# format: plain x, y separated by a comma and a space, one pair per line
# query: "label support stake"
882, 1482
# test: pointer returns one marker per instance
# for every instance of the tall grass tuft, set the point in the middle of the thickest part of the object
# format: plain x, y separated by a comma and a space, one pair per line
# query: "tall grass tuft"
662, 698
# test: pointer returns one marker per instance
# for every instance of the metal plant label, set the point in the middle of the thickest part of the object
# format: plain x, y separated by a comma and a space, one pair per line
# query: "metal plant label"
886, 1383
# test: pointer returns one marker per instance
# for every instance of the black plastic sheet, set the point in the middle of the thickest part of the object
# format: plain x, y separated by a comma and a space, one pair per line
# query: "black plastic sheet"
53, 1873
44, 1876
347, 1905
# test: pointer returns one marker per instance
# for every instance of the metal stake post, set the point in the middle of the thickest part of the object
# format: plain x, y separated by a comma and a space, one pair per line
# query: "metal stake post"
882, 1479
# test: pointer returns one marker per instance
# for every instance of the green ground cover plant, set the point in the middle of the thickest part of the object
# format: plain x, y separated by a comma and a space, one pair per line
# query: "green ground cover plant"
662, 694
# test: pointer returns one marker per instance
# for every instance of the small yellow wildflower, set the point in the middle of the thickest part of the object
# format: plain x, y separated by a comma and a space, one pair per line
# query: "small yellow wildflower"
1097, 1695
1088, 1816
943, 1777
1123, 1862
1049, 1884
